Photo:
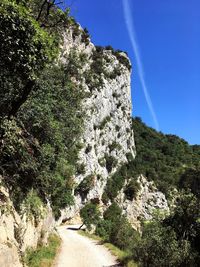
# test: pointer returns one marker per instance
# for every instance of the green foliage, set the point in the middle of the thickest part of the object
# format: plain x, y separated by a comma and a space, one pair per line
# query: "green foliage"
85, 37
48, 15
129, 157
131, 189
47, 157
33, 206
173, 241
123, 235
111, 162
102, 162
39, 146
25, 50
185, 217
99, 67
114, 146
162, 158
158, 247
103, 229
113, 212
104, 122
90, 214
43, 255
105, 198
120, 55
190, 179
85, 186
80, 168
116, 229
116, 182
170, 162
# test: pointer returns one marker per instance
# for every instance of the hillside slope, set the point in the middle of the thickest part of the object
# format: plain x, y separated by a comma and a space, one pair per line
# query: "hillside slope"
163, 158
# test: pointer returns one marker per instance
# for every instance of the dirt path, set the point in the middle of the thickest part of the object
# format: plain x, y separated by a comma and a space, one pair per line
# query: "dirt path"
80, 251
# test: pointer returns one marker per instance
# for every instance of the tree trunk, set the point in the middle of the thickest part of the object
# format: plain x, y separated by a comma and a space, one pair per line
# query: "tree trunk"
20, 101
80, 226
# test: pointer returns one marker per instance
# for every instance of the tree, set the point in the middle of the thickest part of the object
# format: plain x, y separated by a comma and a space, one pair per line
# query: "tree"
90, 215
113, 212
158, 247
185, 217
190, 179
25, 50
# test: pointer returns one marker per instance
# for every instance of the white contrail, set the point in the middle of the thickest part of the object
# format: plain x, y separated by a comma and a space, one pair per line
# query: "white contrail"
132, 35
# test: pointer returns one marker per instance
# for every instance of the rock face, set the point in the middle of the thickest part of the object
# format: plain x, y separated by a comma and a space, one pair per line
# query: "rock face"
20, 232
108, 138
147, 202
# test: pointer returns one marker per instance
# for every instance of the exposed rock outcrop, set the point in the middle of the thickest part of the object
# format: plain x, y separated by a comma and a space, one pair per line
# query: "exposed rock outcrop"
147, 201
107, 137
20, 232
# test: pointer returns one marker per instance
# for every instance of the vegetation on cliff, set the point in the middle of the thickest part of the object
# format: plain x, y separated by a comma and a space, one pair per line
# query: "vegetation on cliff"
165, 159
174, 166
170, 241
40, 104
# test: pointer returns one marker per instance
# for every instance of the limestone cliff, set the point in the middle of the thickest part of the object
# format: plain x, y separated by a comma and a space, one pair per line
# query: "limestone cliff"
108, 138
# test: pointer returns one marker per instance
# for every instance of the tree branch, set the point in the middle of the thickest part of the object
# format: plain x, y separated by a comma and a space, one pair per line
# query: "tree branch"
41, 9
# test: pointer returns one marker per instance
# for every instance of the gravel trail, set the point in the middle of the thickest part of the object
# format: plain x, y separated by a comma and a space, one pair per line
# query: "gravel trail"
80, 251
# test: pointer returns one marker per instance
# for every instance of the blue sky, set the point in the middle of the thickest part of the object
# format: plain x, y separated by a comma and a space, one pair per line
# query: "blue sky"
168, 39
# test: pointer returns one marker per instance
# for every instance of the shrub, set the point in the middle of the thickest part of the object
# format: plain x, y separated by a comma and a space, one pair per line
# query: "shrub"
113, 212
85, 186
103, 229
129, 157
104, 122
123, 235
120, 56
115, 95
115, 184
132, 189
33, 206
153, 250
111, 162
190, 179
85, 37
80, 168
90, 214
114, 146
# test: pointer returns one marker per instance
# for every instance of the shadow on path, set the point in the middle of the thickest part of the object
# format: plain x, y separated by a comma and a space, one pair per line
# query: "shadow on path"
73, 228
